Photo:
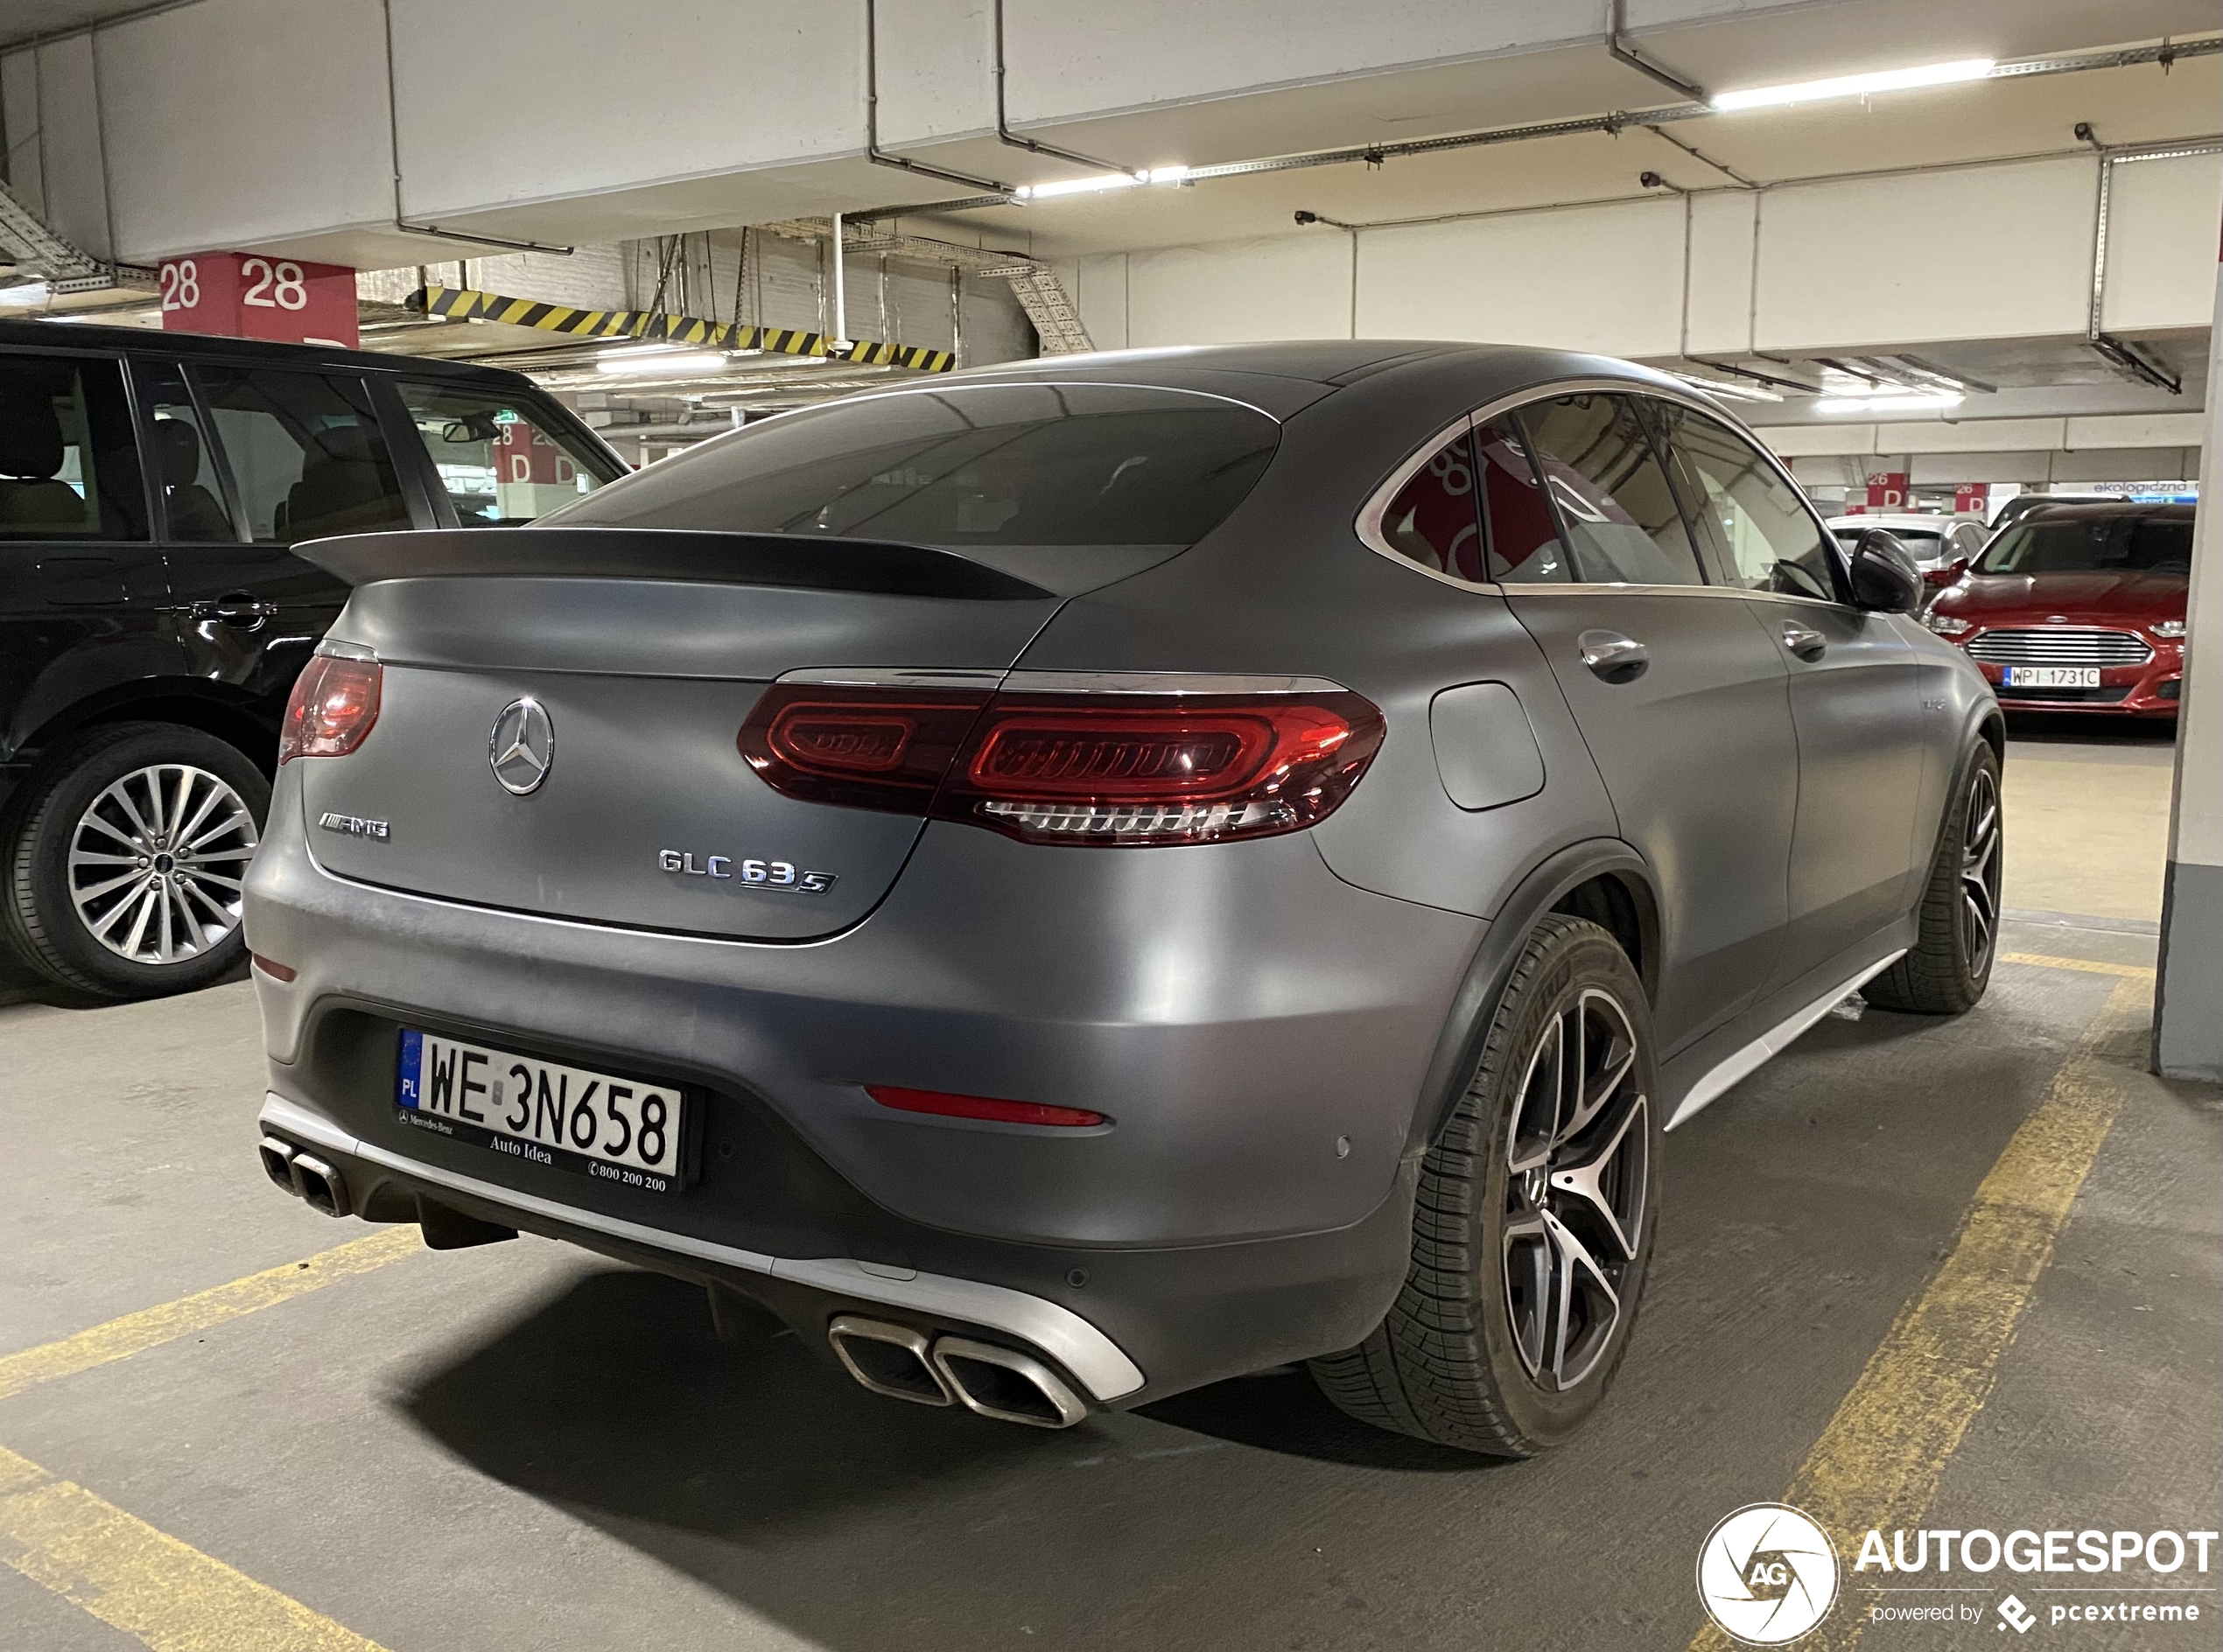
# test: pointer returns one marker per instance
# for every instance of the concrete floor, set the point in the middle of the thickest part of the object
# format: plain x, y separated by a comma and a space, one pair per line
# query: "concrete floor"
523, 1446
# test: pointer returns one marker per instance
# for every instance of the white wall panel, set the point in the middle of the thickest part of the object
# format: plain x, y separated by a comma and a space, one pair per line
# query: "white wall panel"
1843, 264
70, 146
2138, 429
1719, 316
1600, 278
2160, 243
1100, 290
1968, 435
236, 120
19, 115
1290, 287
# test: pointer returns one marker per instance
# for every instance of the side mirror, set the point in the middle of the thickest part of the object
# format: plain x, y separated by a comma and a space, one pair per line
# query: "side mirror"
1885, 576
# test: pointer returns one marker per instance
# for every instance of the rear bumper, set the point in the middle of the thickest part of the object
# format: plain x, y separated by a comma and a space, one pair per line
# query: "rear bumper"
1258, 1031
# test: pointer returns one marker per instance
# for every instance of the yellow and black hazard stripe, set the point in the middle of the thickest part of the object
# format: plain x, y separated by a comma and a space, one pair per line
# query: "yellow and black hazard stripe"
460, 303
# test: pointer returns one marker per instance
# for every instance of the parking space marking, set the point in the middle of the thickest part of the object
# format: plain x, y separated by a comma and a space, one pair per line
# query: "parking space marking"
2090, 966
151, 1327
1879, 1461
144, 1582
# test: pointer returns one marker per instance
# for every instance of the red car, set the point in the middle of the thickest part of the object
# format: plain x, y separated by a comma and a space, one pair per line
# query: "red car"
2078, 608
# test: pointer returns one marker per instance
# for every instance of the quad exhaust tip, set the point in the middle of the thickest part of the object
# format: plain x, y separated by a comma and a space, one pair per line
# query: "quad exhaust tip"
906, 1364
308, 1178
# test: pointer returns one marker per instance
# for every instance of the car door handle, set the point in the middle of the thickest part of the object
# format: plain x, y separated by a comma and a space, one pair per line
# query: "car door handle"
1807, 645
1612, 656
236, 610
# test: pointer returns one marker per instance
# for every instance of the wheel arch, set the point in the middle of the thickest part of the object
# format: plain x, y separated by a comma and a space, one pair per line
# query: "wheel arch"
238, 719
1602, 879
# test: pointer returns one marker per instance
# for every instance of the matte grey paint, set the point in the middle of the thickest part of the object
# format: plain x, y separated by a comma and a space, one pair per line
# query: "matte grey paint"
1233, 1009
1484, 749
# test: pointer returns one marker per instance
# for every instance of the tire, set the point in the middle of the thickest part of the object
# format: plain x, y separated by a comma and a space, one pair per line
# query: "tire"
103, 808
1469, 1355
1957, 935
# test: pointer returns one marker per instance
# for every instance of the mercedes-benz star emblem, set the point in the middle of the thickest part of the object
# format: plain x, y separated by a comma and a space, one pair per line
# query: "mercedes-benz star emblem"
522, 747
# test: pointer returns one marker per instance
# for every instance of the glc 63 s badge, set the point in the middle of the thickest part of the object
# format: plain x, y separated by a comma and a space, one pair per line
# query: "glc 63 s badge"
777, 876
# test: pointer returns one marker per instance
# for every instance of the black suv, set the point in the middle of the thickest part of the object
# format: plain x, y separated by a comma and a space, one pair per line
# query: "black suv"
153, 617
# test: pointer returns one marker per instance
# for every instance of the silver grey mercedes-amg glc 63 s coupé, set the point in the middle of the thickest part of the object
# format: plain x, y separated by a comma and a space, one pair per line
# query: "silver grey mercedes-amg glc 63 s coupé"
1078, 881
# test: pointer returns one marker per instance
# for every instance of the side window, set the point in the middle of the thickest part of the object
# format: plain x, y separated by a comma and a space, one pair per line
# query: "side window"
181, 457
1525, 544
68, 467
1619, 515
501, 465
305, 451
1432, 520
1763, 536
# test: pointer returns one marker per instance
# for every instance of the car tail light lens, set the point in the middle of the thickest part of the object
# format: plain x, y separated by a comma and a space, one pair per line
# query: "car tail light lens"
334, 705
1148, 768
860, 748
1109, 768
951, 1106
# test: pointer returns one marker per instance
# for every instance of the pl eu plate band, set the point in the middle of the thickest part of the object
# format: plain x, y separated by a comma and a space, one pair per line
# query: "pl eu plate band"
1060, 1332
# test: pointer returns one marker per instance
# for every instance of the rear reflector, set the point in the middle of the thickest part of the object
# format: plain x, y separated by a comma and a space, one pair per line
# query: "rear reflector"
334, 705
273, 969
951, 1106
1114, 768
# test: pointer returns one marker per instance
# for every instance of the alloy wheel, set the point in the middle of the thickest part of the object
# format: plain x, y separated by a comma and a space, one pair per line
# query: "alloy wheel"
1576, 1175
1980, 873
158, 862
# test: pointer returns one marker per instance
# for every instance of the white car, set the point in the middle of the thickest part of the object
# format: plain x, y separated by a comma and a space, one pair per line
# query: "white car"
1936, 541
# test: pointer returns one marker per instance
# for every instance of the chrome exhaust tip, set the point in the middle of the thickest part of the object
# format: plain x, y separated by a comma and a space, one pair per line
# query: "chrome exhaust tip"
320, 1184
1007, 1385
277, 1162
888, 1359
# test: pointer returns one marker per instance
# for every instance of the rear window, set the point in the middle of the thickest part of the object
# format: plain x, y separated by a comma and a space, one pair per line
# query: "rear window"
972, 466
2093, 544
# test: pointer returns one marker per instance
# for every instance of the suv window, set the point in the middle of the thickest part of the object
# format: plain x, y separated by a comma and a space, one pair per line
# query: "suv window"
68, 467
500, 466
1610, 491
979, 465
1763, 537
182, 456
1525, 544
1431, 519
305, 451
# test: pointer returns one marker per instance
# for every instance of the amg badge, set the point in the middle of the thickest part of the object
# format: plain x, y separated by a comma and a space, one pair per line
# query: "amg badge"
778, 876
354, 825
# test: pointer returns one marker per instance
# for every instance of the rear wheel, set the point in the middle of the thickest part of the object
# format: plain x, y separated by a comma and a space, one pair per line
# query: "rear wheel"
125, 869
1949, 966
1533, 1226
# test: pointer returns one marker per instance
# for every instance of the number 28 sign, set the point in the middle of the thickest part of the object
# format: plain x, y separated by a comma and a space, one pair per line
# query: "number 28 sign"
252, 295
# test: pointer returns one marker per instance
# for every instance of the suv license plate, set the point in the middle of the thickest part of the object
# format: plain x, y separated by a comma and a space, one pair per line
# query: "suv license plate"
616, 1129
2052, 676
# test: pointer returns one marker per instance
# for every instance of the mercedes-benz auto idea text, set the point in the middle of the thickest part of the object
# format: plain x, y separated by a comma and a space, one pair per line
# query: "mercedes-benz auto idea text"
1079, 880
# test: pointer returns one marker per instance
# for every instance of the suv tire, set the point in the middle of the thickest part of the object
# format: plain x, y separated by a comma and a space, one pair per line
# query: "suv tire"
1957, 940
106, 806
1534, 1220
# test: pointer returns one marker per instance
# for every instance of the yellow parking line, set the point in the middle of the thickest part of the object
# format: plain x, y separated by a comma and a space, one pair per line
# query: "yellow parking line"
2043, 961
151, 1327
143, 1582
1879, 1461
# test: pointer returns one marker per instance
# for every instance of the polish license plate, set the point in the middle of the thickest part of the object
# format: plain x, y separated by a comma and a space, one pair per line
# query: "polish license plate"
2052, 676
625, 1131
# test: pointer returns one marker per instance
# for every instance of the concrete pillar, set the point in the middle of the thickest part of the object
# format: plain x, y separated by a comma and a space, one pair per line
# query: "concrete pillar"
2188, 1005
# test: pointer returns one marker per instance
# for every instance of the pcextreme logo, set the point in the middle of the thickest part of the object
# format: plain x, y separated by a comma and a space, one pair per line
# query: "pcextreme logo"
1767, 1574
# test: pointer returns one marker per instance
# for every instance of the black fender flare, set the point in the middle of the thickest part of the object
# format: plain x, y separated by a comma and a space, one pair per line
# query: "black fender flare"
1458, 1049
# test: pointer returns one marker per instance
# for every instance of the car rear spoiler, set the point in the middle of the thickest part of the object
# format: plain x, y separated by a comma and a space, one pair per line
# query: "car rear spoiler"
881, 566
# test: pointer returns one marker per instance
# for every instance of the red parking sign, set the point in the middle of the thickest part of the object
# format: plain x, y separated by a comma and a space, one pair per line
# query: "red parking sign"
252, 295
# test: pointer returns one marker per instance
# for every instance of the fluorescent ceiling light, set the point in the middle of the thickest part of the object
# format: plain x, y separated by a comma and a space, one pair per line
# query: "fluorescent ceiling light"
1911, 401
27, 293
662, 361
1855, 85
1100, 184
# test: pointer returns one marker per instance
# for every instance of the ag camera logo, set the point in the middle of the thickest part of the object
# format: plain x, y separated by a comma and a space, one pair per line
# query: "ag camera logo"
1767, 1574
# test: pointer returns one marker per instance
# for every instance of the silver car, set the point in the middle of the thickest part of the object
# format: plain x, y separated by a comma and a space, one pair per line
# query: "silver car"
1086, 878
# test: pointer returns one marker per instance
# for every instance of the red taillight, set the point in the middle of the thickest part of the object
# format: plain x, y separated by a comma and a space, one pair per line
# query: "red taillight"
862, 747
1113, 768
950, 1106
333, 706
